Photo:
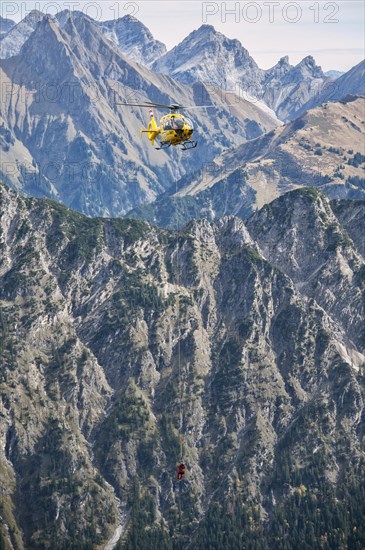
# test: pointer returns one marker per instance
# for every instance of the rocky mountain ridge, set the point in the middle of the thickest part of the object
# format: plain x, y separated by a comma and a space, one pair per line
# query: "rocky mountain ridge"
133, 39
208, 57
324, 147
351, 83
127, 33
12, 41
99, 316
72, 140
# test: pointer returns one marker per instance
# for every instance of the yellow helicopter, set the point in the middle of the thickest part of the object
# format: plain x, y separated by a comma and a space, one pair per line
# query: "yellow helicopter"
174, 128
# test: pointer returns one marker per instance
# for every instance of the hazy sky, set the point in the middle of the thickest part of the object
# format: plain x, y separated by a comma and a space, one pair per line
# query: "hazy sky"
333, 32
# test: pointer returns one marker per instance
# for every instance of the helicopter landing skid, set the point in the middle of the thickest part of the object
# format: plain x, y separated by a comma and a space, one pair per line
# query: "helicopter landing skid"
187, 145
163, 146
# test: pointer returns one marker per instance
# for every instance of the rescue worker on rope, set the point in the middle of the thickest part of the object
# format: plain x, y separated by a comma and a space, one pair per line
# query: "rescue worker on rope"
181, 471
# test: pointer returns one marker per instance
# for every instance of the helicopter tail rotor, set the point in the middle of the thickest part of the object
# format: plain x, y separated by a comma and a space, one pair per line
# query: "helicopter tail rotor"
152, 130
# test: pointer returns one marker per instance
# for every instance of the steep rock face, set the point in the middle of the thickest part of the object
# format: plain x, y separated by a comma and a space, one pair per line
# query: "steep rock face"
117, 336
133, 39
208, 56
352, 216
12, 41
286, 89
62, 110
352, 83
127, 33
317, 254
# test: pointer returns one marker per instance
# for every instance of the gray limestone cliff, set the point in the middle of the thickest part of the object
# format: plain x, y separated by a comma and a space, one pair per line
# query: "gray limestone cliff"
116, 337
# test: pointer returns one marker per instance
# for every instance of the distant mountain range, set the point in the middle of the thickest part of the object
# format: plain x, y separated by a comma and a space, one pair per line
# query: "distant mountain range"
208, 56
130, 35
333, 74
65, 135
205, 56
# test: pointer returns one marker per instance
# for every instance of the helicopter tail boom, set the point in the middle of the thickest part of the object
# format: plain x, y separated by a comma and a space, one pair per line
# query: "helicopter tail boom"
152, 129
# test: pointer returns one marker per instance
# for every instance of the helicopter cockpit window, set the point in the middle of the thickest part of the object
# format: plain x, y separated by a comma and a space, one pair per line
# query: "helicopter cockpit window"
189, 123
177, 123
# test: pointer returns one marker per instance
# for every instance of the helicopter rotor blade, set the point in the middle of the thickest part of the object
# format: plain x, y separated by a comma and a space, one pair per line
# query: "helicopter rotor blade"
177, 107
208, 106
163, 105
147, 104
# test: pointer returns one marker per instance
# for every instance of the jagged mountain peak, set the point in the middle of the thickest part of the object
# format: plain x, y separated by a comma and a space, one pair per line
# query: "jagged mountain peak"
74, 38
201, 32
203, 38
132, 19
308, 60
34, 15
134, 39
34, 61
283, 62
206, 28
206, 31
287, 88
73, 15
308, 65
129, 34
207, 55
46, 31
80, 24
17, 35
46, 28
278, 70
